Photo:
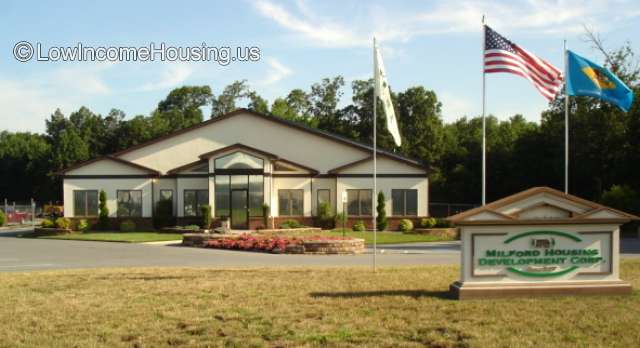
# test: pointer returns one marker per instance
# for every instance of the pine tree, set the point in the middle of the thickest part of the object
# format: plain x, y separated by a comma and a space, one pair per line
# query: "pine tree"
381, 218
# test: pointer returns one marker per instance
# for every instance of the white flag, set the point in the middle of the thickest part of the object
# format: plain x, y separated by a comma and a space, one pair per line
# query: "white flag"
382, 91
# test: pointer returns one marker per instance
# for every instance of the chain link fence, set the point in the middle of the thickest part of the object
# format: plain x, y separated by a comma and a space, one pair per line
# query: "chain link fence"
21, 213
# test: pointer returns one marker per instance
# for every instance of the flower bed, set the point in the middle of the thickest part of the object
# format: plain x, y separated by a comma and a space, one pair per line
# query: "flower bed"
286, 244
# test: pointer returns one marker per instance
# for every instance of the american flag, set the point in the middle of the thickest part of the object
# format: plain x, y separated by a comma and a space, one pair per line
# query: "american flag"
503, 56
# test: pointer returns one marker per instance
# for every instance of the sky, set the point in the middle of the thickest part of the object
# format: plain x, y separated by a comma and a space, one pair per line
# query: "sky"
435, 44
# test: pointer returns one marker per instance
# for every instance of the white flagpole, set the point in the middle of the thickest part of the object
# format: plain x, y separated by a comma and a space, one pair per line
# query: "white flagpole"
373, 200
566, 120
484, 124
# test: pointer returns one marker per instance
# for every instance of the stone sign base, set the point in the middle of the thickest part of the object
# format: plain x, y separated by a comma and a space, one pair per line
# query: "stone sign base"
466, 291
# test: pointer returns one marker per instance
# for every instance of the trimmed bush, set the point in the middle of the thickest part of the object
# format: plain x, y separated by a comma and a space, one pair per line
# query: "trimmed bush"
291, 224
428, 222
3, 218
127, 226
103, 217
405, 225
63, 223
47, 224
83, 225
163, 216
325, 218
443, 223
206, 216
381, 217
358, 226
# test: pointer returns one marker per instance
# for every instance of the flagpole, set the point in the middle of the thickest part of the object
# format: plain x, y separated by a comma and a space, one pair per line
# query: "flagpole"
374, 193
484, 123
566, 120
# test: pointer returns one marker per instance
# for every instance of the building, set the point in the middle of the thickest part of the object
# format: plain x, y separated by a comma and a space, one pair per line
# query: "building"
240, 161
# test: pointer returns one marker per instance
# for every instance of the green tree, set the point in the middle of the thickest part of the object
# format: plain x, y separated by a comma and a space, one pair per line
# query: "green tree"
381, 216
183, 106
103, 216
226, 101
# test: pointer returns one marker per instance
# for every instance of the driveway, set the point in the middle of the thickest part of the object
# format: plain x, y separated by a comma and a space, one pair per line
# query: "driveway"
17, 254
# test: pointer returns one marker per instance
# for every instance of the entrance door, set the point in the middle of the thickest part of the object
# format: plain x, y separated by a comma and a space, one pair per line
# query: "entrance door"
239, 209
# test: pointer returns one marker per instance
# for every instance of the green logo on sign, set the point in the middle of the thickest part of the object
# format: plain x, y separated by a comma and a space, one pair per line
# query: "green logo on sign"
542, 258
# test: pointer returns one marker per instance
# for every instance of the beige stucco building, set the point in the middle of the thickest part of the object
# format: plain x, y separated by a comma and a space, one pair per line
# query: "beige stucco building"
240, 161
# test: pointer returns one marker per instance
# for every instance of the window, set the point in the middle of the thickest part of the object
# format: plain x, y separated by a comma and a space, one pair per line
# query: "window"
85, 203
225, 183
405, 202
239, 160
359, 202
323, 196
166, 195
222, 195
129, 203
290, 202
256, 195
194, 200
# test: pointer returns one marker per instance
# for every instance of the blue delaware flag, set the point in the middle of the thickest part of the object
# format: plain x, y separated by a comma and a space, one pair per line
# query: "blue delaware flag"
589, 79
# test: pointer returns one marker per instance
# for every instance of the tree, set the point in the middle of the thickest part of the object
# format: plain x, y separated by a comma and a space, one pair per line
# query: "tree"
183, 106
257, 103
226, 101
103, 217
381, 217
324, 99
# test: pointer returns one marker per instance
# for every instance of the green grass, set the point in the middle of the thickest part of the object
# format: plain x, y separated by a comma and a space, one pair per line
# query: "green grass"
385, 237
127, 237
297, 307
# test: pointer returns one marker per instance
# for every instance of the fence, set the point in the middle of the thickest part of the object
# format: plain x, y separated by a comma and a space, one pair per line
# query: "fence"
21, 212
437, 209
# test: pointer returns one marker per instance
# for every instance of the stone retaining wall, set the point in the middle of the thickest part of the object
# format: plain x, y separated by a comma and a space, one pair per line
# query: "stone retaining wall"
332, 246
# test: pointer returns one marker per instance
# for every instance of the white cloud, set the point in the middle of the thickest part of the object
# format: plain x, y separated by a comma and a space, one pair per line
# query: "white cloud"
321, 32
388, 24
27, 101
455, 107
277, 71
172, 76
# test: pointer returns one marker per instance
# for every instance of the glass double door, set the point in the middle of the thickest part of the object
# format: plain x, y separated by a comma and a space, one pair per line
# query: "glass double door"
239, 209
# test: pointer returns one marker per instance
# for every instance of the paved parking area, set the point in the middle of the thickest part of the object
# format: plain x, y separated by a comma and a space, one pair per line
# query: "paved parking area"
17, 254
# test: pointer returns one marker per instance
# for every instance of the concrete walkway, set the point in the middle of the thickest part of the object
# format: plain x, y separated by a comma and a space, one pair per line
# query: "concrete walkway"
17, 254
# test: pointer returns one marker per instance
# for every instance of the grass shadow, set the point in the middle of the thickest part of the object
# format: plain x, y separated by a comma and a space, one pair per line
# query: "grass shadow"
445, 295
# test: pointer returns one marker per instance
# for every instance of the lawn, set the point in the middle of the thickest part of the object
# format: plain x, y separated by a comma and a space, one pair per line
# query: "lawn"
385, 237
127, 237
334, 307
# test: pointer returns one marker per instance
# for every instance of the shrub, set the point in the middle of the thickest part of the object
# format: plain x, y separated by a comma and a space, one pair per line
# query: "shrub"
63, 222
358, 226
405, 225
3, 218
47, 224
206, 216
266, 211
103, 217
192, 227
325, 218
83, 225
340, 219
291, 224
428, 222
127, 226
381, 217
443, 223
163, 216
